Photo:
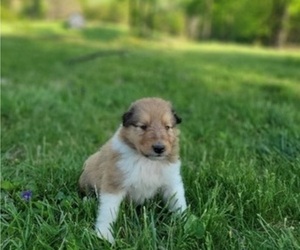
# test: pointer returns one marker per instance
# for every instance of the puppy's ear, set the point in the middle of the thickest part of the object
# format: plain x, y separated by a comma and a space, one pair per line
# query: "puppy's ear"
127, 118
176, 117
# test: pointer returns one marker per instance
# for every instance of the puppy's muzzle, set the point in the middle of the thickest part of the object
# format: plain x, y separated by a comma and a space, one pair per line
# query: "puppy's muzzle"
158, 148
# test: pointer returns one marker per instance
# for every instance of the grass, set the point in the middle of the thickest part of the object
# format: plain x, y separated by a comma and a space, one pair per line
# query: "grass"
240, 140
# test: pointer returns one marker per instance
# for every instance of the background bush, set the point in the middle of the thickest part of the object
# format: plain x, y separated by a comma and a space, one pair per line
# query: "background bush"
269, 22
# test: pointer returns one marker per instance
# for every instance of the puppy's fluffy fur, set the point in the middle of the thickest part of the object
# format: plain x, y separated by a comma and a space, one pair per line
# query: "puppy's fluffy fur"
141, 159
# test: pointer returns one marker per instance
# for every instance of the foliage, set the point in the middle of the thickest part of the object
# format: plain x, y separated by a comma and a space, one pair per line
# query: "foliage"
109, 11
240, 21
34, 8
270, 22
294, 27
169, 22
240, 141
7, 14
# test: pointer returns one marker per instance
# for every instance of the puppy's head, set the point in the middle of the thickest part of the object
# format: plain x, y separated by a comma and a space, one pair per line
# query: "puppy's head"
149, 127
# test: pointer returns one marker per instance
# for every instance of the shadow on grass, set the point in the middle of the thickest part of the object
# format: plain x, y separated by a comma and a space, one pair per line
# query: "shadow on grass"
104, 34
272, 76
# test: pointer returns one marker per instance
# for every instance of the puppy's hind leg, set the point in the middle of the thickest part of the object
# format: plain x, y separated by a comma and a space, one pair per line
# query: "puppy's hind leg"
107, 214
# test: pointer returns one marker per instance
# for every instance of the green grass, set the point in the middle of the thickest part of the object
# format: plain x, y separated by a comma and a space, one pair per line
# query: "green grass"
240, 138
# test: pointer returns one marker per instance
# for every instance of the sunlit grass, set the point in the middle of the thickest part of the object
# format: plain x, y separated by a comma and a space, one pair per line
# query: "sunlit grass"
239, 142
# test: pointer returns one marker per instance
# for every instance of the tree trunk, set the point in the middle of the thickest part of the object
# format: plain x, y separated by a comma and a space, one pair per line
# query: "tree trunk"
278, 21
192, 27
282, 33
207, 20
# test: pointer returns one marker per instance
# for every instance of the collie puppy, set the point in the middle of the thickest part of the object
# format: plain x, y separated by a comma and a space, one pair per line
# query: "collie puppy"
140, 160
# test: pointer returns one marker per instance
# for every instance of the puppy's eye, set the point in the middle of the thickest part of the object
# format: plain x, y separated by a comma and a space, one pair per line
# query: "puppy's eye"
143, 127
168, 127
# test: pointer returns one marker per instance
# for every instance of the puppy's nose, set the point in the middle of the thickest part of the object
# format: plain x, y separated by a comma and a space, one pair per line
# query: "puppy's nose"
158, 148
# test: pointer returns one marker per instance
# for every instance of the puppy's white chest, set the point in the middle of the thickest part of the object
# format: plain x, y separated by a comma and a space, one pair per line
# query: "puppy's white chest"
142, 178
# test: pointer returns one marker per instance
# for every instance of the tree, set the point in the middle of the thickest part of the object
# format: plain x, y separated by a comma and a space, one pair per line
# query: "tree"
141, 16
279, 22
199, 16
294, 21
207, 19
34, 8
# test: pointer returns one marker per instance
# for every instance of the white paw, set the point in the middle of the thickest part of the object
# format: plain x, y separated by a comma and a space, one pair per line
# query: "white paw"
104, 232
178, 206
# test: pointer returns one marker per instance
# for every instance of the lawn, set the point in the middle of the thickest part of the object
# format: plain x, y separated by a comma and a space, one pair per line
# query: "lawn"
62, 95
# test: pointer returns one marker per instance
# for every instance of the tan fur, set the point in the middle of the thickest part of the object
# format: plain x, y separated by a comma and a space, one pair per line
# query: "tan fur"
100, 170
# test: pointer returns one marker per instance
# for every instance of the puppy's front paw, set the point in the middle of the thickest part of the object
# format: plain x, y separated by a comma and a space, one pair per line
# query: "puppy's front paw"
104, 232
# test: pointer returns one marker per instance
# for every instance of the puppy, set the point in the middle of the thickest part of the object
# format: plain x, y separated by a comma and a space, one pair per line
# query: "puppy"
140, 160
